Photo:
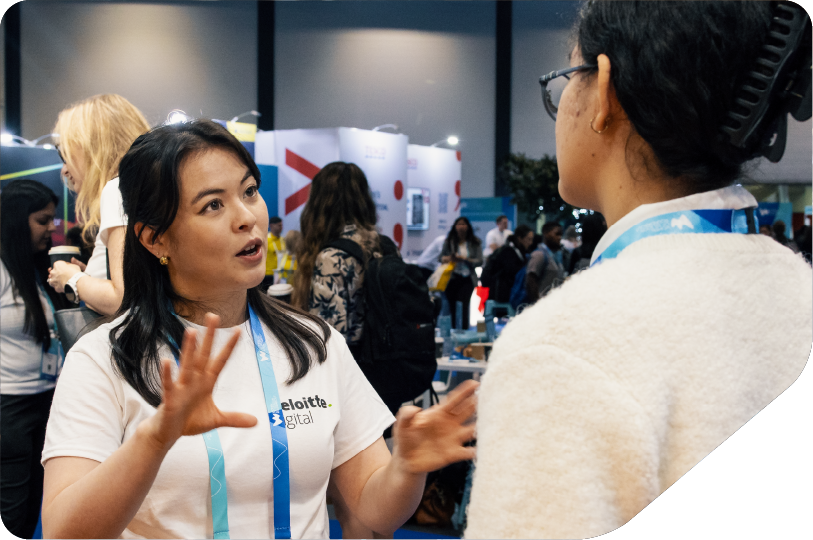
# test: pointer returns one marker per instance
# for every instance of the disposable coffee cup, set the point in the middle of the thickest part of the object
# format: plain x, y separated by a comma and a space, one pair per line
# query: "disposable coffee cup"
63, 253
281, 291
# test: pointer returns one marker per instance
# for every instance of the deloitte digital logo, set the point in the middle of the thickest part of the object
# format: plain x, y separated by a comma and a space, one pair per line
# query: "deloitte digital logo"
306, 405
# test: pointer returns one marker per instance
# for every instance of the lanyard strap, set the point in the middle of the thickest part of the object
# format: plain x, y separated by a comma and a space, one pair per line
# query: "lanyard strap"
53, 313
279, 435
217, 477
279, 441
742, 221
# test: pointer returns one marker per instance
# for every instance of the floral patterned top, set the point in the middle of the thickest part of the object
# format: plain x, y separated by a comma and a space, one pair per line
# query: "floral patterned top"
336, 289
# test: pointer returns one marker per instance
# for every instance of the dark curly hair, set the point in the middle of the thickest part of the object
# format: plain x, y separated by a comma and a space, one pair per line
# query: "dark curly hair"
676, 67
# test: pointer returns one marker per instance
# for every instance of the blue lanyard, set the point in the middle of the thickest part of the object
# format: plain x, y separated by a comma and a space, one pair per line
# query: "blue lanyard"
279, 435
685, 222
279, 441
56, 345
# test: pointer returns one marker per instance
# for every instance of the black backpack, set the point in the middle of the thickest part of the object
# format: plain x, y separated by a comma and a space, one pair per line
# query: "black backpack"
397, 348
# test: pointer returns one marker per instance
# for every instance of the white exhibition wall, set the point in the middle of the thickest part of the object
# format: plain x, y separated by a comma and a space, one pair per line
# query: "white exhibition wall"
300, 153
437, 170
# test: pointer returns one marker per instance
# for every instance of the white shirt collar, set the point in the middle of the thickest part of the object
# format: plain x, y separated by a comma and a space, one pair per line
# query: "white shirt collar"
727, 198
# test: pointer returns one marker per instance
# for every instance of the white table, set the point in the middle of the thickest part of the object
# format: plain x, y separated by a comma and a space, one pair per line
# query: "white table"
478, 367
445, 364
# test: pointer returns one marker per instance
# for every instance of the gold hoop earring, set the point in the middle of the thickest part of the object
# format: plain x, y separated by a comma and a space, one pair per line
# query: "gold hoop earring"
164, 261
607, 123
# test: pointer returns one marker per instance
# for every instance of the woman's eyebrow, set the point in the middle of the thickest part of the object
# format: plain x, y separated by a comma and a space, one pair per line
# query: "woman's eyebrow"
206, 192
215, 191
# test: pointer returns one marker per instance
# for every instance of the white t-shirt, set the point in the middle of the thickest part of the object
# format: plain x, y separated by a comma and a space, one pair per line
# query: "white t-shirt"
20, 356
112, 215
430, 258
494, 236
95, 411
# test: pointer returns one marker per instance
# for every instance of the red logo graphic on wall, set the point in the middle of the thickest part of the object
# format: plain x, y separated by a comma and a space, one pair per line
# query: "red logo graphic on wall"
398, 234
305, 168
399, 190
457, 192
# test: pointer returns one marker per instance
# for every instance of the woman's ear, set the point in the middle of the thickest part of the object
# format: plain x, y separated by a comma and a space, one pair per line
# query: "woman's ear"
153, 242
609, 108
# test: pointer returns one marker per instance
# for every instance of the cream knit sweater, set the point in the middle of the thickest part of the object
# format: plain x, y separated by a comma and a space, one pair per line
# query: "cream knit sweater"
604, 393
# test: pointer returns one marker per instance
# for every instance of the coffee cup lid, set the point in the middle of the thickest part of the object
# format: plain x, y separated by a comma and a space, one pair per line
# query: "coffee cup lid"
280, 289
60, 250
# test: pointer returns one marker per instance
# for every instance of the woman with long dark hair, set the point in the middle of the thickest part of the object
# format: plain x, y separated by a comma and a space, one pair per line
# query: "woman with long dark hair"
688, 323
29, 348
466, 252
139, 444
329, 281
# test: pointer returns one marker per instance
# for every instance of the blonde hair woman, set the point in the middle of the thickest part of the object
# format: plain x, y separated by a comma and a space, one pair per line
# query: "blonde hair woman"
94, 135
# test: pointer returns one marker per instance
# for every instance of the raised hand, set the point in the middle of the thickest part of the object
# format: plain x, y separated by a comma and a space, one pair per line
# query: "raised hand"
187, 407
425, 441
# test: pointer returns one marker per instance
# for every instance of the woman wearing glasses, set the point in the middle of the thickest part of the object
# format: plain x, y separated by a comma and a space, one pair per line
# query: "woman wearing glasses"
141, 445
688, 323
94, 135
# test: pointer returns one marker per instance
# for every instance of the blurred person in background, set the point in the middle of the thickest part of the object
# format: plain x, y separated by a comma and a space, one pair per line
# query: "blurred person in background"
463, 249
276, 249
593, 228
504, 263
430, 257
779, 229
75, 238
496, 237
29, 348
94, 135
545, 271
288, 262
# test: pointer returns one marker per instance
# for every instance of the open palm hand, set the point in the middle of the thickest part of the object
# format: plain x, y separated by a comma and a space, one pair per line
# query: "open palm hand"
429, 440
187, 407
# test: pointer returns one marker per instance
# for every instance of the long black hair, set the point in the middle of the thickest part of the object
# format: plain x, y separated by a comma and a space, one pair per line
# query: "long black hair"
28, 270
520, 232
150, 190
676, 69
452, 239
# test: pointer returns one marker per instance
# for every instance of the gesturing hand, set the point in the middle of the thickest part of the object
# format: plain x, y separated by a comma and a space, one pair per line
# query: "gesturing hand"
187, 407
425, 441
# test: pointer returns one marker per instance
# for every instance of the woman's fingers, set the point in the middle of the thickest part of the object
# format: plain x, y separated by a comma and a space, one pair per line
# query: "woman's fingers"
187, 358
212, 321
82, 266
463, 391
467, 433
166, 377
220, 360
237, 419
465, 410
406, 414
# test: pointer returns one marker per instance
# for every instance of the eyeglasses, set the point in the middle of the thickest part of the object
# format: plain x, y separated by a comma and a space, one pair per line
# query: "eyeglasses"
553, 86
59, 152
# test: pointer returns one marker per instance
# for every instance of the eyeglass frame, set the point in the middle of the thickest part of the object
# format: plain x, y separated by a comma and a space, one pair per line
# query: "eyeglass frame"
59, 153
550, 108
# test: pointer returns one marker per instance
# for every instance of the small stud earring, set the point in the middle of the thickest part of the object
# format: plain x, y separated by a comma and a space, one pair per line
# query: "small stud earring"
164, 261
